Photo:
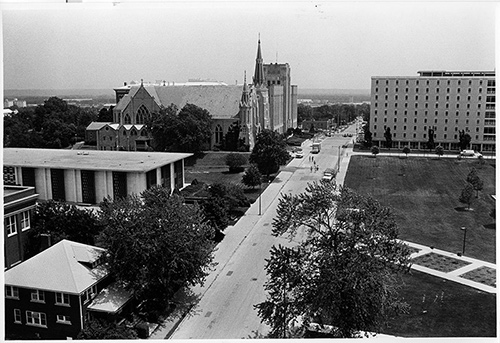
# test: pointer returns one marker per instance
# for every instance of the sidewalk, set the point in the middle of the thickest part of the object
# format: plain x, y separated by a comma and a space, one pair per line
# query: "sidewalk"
455, 275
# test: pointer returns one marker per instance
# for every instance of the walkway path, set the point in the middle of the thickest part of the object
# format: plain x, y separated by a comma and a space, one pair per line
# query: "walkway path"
465, 265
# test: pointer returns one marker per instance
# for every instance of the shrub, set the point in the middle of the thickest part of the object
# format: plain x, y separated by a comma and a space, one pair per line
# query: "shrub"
235, 162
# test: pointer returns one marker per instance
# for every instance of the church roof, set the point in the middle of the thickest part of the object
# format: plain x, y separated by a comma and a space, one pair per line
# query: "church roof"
221, 101
64, 267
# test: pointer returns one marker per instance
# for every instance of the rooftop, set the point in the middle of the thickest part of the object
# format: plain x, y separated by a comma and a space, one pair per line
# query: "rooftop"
64, 267
126, 161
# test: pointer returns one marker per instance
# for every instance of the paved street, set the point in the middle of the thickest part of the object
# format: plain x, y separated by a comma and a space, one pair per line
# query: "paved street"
226, 307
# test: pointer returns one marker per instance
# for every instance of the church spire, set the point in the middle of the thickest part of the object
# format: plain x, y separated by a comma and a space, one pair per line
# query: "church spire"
258, 78
245, 98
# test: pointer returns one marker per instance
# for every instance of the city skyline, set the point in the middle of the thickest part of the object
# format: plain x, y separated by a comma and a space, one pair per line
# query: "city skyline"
327, 44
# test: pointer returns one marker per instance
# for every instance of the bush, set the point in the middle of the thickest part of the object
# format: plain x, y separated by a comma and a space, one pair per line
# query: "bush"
235, 162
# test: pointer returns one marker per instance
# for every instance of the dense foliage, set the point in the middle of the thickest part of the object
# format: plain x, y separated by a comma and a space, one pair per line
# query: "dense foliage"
187, 130
223, 199
252, 176
99, 329
58, 221
55, 124
155, 245
269, 152
345, 272
235, 162
340, 113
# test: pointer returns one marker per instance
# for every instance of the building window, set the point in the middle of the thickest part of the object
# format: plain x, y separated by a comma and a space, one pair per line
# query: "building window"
62, 299
127, 120
142, 115
375, 119
38, 296
425, 135
405, 120
435, 121
425, 120
219, 135
17, 316
11, 292
36, 318
414, 135
374, 127
446, 128
376, 82
63, 319
25, 220
11, 225
447, 90
395, 120
446, 121
445, 136
89, 293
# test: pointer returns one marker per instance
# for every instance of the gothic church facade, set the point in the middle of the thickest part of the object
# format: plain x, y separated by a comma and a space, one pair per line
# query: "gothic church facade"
269, 102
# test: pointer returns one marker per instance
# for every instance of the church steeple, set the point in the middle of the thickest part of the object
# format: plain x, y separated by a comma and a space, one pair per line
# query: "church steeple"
258, 78
245, 98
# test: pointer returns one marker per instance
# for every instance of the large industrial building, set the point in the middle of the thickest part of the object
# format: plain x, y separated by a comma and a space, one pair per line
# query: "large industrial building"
87, 177
446, 102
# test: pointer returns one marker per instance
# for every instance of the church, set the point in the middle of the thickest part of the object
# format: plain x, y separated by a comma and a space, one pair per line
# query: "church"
269, 102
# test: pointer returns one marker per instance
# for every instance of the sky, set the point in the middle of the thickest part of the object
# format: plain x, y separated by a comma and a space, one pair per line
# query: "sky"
328, 45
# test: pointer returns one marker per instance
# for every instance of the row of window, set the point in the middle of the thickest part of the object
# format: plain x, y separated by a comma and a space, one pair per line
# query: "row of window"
437, 90
491, 83
487, 114
426, 105
10, 223
140, 118
479, 98
37, 295
405, 120
38, 318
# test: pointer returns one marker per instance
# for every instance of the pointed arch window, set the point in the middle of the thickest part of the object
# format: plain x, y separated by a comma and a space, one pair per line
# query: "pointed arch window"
218, 134
126, 119
142, 115
133, 132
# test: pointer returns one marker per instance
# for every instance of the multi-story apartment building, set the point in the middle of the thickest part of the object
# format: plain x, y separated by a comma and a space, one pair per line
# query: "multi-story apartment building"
18, 205
446, 102
53, 294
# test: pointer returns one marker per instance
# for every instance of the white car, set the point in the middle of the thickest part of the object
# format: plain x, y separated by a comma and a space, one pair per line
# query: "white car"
470, 153
299, 154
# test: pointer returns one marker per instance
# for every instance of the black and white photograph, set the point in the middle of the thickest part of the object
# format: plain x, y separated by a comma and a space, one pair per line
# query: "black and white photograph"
230, 170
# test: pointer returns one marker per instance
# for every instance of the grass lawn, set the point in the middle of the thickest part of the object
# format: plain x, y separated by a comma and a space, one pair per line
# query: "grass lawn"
423, 194
211, 167
441, 308
439, 262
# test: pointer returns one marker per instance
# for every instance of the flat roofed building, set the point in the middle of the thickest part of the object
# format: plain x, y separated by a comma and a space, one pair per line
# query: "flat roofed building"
445, 102
18, 205
88, 177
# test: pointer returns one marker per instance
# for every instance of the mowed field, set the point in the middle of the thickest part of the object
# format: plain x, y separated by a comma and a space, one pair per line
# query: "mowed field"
423, 194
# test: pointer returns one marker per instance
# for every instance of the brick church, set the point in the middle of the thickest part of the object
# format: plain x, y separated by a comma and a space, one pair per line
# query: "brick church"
269, 102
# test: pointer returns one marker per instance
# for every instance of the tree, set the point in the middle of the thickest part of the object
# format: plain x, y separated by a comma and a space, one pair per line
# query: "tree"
466, 195
155, 245
252, 177
388, 137
269, 152
481, 161
475, 181
430, 141
375, 150
368, 137
189, 130
58, 221
105, 114
406, 151
464, 139
223, 200
99, 329
346, 270
235, 162
439, 151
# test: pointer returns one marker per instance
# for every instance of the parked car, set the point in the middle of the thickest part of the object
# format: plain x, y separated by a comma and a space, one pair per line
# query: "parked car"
471, 153
299, 154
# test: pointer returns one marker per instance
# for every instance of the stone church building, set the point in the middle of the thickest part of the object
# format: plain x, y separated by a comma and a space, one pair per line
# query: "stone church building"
269, 102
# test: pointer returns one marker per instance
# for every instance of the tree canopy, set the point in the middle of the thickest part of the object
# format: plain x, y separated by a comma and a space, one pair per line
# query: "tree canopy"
252, 176
99, 329
375, 150
464, 139
235, 162
155, 244
269, 152
187, 130
388, 137
223, 199
467, 195
60, 220
55, 124
345, 272
474, 179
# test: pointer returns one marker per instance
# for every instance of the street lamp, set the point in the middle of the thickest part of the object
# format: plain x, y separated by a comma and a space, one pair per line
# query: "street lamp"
464, 229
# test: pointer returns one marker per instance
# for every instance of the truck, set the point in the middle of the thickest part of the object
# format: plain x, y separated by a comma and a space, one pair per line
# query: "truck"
328, 175
316, 148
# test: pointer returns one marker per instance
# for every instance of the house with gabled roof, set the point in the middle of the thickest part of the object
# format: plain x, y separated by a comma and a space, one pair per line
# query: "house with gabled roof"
53, 294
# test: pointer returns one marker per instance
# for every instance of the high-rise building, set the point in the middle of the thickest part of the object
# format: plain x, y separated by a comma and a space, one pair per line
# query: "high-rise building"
441, 103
